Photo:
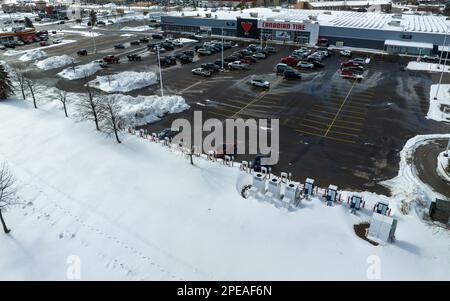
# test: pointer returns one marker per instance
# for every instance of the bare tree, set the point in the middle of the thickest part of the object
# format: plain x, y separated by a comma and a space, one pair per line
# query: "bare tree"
111, 119
90, 107
63, 99
32, 88
18, 77
7, 192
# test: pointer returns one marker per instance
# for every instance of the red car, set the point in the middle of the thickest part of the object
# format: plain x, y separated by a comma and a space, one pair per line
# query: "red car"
291, 61
244, 61
225, 150
44, 43
351, 64
111, 59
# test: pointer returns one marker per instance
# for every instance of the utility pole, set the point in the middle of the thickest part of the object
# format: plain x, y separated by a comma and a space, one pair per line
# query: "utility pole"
160, 73
93, 40
443, 47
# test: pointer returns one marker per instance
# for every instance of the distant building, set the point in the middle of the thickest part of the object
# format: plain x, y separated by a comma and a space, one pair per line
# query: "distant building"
16, 34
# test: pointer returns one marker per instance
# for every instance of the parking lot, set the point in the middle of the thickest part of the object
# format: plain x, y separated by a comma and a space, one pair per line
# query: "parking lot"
340, 131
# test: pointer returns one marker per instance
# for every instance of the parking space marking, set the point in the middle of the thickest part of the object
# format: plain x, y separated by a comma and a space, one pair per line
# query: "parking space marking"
340, 109
215, 113
326, 137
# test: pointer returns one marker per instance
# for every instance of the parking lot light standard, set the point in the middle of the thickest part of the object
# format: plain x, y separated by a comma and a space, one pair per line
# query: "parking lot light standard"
440, 78
222, 48
160, 73
443, 47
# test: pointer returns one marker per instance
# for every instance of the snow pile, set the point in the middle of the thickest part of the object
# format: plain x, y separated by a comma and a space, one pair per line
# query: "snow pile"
406, 185
83, 33
124, 81
148, 109
439, 108
55, 62
186, 40
80, 71
146, 213
11, 52
429, 67
137, 28
33, 55
442, 166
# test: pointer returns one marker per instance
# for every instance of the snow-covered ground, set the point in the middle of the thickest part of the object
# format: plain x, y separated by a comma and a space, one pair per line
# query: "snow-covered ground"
442, 165
80, 71
33, 55
137, 28
80, 32
435, 111
17, 52
55, 62
139, 210
124, 81
429, 67
407, 186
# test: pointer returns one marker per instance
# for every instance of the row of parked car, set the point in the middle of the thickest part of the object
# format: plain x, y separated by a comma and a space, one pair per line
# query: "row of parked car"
40, 37
238, 60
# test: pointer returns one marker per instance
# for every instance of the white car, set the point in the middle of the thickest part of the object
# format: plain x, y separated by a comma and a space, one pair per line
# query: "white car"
360, 61
303, 64
260, 83
259, 55
177, 43
347, 53
238, 65
201, 72
101, 63
2, 47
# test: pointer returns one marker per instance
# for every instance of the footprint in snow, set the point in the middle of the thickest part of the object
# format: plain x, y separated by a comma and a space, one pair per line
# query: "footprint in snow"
61, 235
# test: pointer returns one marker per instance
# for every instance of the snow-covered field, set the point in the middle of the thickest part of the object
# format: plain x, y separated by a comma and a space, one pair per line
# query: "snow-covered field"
139, 210
80, 71
83, 33
137, 28
55, 62
429, 67
124, 81
443, 98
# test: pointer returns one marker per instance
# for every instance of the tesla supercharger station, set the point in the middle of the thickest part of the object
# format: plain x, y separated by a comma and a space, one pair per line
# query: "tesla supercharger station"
259, 182
291, 193
355, 202
382, 208
273, 190
331, 194
309, 187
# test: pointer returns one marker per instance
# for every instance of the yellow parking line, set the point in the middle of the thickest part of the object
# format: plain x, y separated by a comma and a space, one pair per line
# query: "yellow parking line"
321, 117
326, 137
313, 127
350, 122
215, 113
340, 108
347, 128
317, 122
342, 133
354, 117
323, 112
364, 113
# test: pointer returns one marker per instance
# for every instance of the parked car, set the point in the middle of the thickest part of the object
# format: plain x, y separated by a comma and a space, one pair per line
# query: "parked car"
20, 43
166, 133
306, 65
134, 57
347, 73
167, 45
260, 55
218, 62
260, 83
346, 53
188, 52
10, 45
250, 58
101, 23
56, 41
144, 40
157, 36
281, 67
2, 47
257, 163
82, 52
101, 63
178, 43
119, 46
111, 59
351, 64
203, 51
211, 67
289, 73
135, 43
44, 43
230, 59
271, 49
237, 65
244, 61
291, 61
184, 59
201, 72
360, 61
225, 150
317, 64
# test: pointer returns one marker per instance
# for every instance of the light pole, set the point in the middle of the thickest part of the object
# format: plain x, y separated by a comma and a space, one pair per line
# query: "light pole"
222, 48
160, 73
443, 47
440, 78
93, 41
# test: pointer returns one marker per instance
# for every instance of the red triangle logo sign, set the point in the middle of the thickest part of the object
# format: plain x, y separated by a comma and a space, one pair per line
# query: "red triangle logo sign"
246, 26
